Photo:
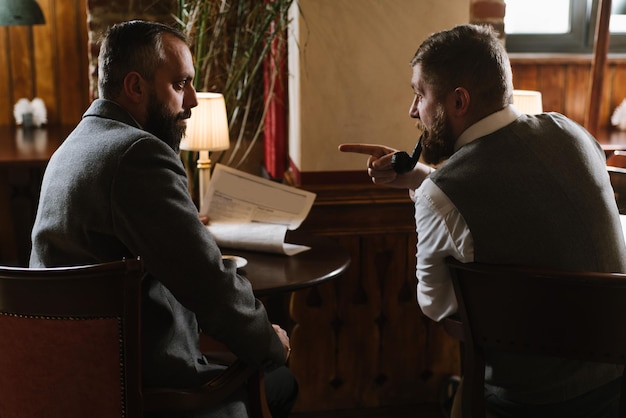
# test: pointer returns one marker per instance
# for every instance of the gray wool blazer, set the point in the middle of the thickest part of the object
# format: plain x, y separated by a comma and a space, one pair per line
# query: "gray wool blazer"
113, 190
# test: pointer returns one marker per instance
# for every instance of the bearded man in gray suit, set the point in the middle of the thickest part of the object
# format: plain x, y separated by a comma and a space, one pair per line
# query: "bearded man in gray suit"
117, 188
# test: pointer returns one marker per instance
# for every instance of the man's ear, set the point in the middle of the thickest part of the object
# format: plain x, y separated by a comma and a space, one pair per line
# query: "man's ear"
134, 87
461, 100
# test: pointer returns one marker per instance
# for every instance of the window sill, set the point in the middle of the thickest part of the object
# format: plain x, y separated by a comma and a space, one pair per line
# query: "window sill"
520, 58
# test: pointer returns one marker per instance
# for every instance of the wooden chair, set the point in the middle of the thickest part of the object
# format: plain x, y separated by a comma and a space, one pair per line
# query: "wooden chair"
573, 315
70, 347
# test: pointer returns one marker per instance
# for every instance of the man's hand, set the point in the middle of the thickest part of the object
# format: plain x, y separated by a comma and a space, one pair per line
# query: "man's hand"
380, 170
284, 338
379, 162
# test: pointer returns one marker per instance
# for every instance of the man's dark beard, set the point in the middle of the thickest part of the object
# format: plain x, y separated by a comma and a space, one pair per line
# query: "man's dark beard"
164, 125
437, 142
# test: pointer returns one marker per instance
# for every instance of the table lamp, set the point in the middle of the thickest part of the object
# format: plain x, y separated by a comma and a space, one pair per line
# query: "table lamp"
527, 101
207, 130
20, 12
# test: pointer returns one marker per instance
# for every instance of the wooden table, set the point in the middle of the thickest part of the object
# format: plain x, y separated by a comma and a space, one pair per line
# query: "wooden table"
24, 155
31, 147
273, 274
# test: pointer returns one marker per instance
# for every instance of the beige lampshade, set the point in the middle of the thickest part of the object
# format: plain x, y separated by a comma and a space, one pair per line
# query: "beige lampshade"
527, 101
207, 129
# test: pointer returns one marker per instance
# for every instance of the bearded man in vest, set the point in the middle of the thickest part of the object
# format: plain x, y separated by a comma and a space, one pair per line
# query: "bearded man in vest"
498, 186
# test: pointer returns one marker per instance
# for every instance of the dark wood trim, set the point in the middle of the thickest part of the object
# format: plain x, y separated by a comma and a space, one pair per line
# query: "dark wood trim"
519, 58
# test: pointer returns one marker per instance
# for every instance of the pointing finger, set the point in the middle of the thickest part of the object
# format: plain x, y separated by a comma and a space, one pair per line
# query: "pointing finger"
368, 149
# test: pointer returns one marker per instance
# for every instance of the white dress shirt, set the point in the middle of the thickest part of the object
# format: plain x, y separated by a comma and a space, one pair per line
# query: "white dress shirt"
442, 231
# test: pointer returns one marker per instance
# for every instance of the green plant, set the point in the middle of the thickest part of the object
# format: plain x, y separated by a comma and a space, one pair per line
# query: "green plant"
231, 40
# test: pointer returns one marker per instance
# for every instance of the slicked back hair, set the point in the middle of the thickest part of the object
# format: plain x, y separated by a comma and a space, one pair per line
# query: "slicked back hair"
131, 46
468, 56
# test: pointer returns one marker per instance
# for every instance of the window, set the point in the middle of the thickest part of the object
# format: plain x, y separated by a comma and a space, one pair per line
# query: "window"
560, 25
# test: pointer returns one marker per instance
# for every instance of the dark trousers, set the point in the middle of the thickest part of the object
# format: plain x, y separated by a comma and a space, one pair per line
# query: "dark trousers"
281, 388
602, 402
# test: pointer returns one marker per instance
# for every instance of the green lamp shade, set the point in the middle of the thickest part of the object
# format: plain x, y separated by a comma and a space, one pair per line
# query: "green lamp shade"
20, 12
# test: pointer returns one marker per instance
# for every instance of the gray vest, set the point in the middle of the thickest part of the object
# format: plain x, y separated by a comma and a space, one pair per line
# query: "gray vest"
537, 193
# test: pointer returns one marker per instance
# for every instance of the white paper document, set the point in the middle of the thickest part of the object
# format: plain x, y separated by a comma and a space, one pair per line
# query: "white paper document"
251, 213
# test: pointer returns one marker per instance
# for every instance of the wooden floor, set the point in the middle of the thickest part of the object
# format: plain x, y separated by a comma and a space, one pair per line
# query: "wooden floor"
406, 411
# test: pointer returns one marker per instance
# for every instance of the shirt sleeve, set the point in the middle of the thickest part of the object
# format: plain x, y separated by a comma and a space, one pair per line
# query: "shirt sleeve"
441, 232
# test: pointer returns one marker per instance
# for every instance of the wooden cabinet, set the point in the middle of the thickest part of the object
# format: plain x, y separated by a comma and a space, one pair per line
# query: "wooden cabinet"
361, 340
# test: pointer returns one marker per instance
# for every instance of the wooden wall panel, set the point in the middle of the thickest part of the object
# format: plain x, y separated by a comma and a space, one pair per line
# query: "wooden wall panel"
21, 64
607, 106
578, 83
617, 86
614, 91
5, 78
71, 45
552, 82
47, 61
565, 80
525, 77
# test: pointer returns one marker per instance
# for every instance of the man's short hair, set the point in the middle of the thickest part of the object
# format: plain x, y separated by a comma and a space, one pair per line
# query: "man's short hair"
468, 56
131, 46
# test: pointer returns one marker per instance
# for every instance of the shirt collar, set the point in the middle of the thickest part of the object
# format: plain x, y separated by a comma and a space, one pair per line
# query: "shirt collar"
487, 125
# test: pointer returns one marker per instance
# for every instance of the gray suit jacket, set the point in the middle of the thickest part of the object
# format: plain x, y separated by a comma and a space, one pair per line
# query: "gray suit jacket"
113, 190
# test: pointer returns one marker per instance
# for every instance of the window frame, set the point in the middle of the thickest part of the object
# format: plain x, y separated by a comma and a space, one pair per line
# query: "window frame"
579, 40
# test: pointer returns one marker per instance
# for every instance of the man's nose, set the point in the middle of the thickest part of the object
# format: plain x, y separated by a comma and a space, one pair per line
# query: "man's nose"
413, 112
191, 100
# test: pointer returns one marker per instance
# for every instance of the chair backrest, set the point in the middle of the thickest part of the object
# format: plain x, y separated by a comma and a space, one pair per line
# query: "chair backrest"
69, 341
70, 348
575, 315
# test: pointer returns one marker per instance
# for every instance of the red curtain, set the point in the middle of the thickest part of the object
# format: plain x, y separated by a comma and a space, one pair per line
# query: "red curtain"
275, 124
